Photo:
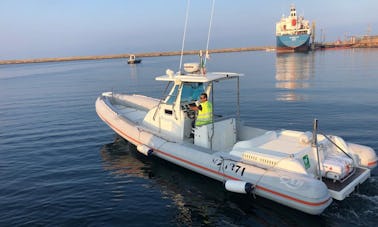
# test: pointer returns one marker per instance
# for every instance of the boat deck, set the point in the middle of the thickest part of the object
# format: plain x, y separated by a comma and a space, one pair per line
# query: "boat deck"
131, 113
339, 190
291, 145
339, 186
274, 143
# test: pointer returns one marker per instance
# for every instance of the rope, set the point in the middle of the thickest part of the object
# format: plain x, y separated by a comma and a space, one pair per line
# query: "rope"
270, 168
221, 167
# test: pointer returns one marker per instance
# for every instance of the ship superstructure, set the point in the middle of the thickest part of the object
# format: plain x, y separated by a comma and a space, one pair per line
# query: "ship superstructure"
293, 33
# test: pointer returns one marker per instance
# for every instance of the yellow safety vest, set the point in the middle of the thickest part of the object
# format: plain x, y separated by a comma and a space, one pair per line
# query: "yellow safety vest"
205, 116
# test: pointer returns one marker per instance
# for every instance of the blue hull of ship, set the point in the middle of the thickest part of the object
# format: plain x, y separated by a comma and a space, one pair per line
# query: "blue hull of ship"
293, 43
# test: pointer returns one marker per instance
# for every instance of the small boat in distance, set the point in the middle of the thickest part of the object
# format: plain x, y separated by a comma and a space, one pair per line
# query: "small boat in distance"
293, 33
133, 60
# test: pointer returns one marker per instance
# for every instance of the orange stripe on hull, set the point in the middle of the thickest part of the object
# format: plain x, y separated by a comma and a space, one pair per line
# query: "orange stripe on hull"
216, 172
371, 164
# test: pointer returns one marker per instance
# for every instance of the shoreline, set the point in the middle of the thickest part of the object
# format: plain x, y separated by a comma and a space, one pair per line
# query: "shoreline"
173, 53
147, 54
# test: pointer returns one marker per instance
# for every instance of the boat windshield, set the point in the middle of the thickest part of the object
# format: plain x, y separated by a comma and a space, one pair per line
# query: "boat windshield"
190, 92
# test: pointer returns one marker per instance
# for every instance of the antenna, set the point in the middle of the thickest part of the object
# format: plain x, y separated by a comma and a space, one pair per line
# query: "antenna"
183, 39
208, 34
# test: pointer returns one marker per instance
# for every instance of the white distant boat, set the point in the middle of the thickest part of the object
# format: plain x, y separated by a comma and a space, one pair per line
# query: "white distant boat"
270, 49
302, 170
133, 60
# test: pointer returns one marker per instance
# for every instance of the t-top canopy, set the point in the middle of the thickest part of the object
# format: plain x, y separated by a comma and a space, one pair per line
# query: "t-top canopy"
201, 78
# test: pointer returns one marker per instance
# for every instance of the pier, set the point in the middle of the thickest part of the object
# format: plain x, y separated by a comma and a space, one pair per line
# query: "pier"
365, 41
354, 42
147, 54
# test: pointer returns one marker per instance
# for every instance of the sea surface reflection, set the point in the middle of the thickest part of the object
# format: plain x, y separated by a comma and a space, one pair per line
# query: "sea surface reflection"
189, 198
294, 72
62, 166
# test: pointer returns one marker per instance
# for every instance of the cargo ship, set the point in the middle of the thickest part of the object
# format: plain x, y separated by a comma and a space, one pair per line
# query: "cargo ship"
293, 33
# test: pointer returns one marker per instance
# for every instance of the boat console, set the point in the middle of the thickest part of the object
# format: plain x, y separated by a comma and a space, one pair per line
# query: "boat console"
185, 106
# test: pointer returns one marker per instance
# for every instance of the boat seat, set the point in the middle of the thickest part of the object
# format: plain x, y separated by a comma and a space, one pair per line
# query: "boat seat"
281, 144
257, 141
222, 137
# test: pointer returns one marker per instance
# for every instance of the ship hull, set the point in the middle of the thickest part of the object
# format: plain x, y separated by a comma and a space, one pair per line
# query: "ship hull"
293, 43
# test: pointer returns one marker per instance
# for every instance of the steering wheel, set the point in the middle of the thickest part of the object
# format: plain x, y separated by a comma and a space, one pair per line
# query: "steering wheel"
191, 114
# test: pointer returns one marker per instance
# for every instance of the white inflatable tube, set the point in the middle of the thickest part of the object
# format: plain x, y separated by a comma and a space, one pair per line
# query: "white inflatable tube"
239, 186
144, 149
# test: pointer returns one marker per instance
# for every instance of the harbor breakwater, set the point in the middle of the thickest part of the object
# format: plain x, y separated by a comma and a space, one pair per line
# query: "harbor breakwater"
147, 54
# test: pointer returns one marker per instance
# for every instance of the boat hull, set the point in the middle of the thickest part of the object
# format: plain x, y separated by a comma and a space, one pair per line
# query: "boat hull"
136, 61
293, 190
293, 43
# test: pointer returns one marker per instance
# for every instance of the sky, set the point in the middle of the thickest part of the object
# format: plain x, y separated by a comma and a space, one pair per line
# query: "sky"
64, 28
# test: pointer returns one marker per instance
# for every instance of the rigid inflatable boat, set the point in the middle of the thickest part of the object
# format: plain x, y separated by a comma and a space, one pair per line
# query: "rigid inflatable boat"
302, 170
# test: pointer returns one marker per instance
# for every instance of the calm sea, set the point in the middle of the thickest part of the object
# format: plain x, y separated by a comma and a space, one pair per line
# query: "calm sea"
60, 165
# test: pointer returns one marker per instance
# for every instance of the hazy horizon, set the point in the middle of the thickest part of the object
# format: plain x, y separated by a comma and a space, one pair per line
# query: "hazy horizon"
41, 29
